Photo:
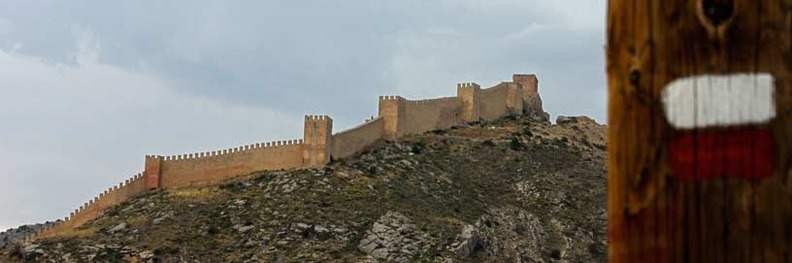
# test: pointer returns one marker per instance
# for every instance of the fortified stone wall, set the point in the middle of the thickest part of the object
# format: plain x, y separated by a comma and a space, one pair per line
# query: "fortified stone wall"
426, 115
351, 141
493, 101
90, 210
213, 167
514, 102
397, 117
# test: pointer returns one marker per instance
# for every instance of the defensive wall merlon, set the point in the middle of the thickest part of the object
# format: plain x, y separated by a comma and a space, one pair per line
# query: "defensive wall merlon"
397, 117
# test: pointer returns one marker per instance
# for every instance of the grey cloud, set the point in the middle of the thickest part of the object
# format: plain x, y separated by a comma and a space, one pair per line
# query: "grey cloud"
281, 53
76, 130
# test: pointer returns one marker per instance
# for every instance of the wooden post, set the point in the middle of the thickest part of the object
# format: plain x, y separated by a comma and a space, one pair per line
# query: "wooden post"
700, 130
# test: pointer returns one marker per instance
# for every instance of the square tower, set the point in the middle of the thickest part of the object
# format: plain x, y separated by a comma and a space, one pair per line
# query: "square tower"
318, 135
153, 171
391, 109
529, 83
532, 102
470, 96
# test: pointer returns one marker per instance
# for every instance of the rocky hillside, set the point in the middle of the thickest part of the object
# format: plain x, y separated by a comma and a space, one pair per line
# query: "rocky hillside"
513, 190
16, 235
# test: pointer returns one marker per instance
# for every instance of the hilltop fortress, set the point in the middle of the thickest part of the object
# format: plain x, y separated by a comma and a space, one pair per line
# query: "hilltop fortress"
397, 117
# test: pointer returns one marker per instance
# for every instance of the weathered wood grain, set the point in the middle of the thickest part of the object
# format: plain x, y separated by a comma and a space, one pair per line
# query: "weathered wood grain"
654, 217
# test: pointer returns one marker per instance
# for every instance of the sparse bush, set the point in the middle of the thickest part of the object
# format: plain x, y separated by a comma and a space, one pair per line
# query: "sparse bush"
601, 147
372, 170
233, 186
555, 253
109, 255
213, 231
561, 142
419, 146
490, 224
597, 249
112, 212
516, 144
166, 250
17, 253
520, 229
266, 177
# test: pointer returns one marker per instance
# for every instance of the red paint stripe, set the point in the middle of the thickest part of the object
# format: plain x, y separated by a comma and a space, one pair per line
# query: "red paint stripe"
745, 153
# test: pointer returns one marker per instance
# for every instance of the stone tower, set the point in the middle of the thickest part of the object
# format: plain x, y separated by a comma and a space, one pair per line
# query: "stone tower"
391, 109
152, 172
532, 103
318, 135
470, 96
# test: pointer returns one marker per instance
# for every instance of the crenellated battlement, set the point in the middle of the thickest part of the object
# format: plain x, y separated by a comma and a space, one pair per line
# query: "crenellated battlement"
240, 149
397, 117
392, 97
317, 117
468, 85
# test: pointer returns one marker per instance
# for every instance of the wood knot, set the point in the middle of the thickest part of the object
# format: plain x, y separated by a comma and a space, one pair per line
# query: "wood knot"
717, 12
716, 15
635, 78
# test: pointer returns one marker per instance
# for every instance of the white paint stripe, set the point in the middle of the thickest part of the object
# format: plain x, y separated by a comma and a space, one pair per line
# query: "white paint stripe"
720, 100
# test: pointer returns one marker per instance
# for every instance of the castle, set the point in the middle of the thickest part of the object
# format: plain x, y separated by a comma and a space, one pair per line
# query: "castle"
397, 117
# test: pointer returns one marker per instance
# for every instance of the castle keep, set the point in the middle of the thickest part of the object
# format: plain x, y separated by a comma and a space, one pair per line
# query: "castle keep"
397, 117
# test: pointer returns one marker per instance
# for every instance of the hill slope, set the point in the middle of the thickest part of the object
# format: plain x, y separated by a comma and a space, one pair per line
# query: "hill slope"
507, 191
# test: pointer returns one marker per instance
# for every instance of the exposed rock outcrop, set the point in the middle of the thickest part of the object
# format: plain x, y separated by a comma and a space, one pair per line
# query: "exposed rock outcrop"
393, 238
532, 108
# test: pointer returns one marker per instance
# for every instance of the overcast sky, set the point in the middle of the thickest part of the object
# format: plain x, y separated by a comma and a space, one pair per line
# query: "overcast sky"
90, 87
